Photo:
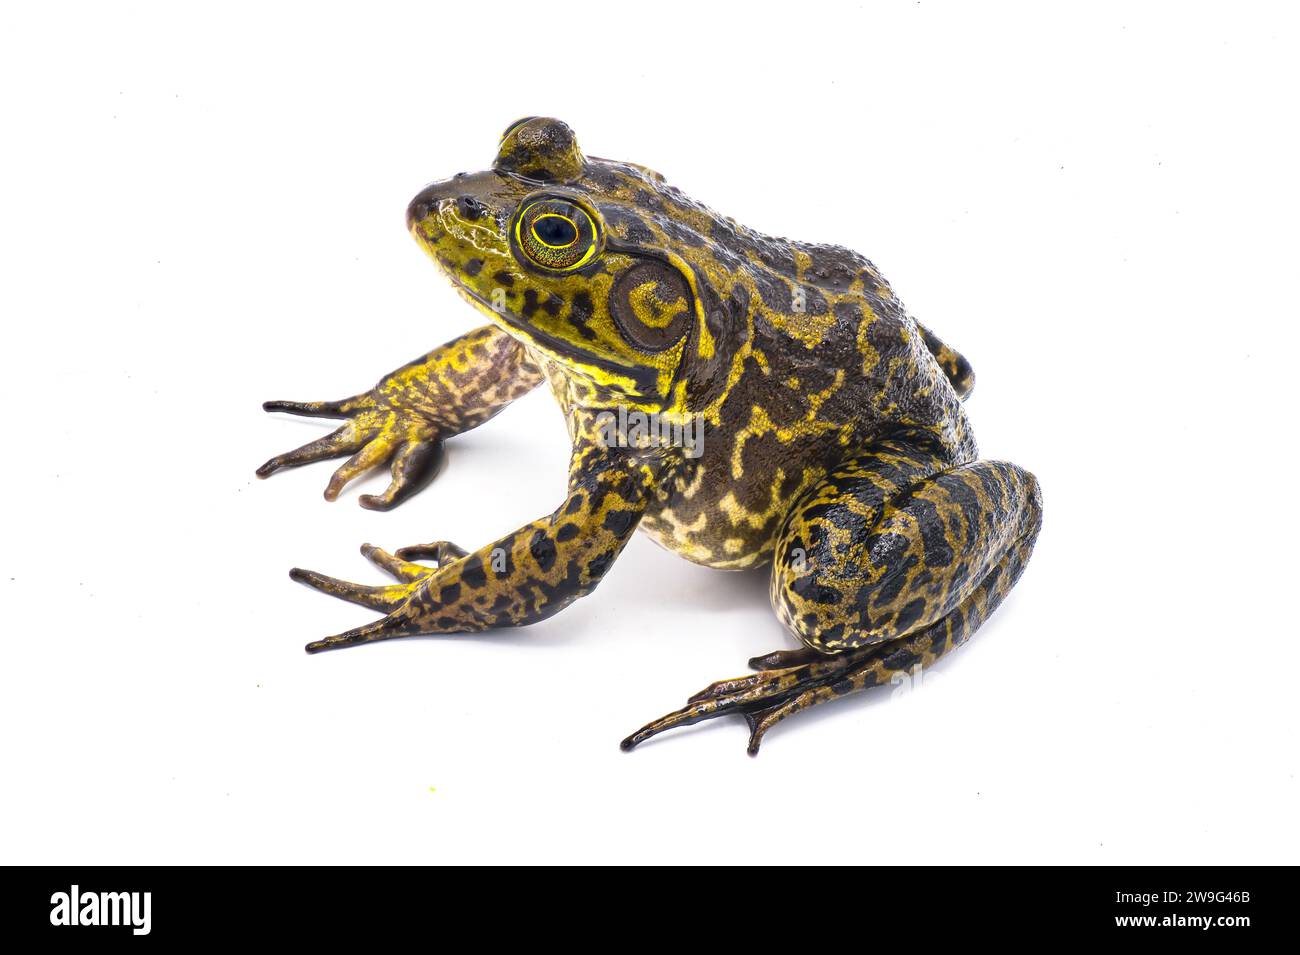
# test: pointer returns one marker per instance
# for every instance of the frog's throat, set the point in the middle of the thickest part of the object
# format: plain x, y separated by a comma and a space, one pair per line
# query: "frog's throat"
635, 385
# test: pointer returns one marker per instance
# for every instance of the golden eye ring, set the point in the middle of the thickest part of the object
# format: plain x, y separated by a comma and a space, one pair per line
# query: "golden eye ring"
556, 234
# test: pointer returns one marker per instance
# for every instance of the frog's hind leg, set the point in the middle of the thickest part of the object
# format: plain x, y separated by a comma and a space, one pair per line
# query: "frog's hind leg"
878, 571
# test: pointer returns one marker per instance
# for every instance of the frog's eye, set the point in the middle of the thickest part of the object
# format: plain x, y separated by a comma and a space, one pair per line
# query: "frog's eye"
556, 234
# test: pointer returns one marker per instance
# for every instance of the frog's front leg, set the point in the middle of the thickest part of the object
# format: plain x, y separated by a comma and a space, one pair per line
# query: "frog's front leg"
522, 578
404, 419
888, 564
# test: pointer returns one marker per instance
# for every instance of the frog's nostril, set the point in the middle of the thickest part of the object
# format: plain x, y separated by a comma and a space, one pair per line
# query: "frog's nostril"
442, 196
470, 209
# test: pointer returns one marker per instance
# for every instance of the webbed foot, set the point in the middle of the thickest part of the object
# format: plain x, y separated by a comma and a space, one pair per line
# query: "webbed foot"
769, 696
403, 602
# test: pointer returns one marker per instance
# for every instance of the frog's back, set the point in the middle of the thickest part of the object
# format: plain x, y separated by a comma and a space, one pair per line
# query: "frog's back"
810, 304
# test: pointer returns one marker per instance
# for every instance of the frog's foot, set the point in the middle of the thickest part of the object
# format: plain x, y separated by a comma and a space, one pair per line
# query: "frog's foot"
374, 436
393, 600
769, 696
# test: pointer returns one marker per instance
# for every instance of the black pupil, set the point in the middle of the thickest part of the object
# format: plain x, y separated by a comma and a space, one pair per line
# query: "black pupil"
554, 230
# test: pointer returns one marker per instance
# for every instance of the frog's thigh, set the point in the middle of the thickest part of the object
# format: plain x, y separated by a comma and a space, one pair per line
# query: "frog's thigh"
866, 557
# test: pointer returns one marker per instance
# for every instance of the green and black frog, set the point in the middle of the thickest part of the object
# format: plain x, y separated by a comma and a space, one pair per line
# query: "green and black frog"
826, 429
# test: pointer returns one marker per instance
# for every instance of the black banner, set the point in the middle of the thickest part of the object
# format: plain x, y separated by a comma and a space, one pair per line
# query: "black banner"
138, 906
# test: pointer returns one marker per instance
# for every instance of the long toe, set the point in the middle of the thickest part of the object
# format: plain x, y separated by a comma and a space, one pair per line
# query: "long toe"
386, 598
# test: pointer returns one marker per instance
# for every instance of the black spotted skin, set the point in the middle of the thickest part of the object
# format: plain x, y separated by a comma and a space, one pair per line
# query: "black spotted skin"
829, 433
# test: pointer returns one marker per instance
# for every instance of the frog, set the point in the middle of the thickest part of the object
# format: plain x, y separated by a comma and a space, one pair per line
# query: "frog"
829, 440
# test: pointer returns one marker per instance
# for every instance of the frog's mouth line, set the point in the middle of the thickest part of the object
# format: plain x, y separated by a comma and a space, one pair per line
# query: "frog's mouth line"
559, 349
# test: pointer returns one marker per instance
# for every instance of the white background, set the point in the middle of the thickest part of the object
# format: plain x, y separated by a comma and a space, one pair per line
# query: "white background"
202, 211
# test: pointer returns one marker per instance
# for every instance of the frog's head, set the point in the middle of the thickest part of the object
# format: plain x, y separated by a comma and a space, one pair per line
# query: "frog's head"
586, 261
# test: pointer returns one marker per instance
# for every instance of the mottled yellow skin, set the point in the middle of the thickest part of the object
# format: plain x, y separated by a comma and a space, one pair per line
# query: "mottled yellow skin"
827, 429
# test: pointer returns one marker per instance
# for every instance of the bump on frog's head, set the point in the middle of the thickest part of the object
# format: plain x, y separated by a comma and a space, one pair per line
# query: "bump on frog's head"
548, 245
540, 149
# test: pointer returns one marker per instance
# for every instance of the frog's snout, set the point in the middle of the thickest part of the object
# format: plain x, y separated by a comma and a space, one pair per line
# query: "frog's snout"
427, 200
416, 211
433, 196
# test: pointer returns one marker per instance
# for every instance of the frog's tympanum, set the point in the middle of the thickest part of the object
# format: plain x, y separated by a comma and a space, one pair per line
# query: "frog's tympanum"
740, 398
